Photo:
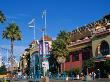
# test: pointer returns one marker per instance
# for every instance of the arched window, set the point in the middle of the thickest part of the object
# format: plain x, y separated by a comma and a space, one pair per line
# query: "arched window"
104, 48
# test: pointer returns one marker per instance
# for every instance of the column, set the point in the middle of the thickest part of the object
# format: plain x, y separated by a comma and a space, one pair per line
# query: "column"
71, 60
80, 58
71, 56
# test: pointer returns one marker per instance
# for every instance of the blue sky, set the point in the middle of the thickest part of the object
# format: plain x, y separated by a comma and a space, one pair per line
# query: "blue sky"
61, 15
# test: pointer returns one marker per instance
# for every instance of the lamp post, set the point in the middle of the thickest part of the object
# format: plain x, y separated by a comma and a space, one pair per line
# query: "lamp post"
43, 41
32, 24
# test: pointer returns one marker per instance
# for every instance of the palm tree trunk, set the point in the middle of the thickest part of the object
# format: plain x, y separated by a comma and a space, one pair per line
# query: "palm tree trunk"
11, 54
12, 47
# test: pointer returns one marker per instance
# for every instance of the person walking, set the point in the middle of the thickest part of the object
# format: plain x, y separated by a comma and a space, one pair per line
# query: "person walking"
93, 75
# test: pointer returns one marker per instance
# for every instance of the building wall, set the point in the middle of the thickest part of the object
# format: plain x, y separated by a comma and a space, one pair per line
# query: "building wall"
96, 41
73, 64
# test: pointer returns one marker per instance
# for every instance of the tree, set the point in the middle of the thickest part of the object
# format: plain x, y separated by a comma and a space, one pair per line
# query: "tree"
12, 33
88, 64
2, 17
106, 66
3, 69
66, 37
59, 47
53, 64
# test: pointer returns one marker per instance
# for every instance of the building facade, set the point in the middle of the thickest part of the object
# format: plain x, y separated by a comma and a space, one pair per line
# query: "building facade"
90, 41
32, 58
44, 52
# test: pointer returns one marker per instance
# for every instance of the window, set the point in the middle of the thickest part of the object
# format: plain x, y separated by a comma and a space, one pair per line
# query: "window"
76, 56
67, 58
86, 53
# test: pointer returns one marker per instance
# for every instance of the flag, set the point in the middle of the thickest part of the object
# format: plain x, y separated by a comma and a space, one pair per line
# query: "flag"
32, 23
43, 13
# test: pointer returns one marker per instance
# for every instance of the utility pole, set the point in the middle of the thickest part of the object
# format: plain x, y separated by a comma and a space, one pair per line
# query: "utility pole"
32, 25
44, 32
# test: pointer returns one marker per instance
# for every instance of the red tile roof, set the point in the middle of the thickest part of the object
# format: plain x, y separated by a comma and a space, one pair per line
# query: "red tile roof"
47, 38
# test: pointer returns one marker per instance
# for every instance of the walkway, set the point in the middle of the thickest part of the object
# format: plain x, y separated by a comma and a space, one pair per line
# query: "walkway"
96, 80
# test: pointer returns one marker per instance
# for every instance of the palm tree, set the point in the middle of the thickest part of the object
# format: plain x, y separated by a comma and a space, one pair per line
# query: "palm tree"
12, 33
2, 17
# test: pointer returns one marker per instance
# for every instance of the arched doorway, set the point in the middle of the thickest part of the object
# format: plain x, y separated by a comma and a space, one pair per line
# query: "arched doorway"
101, 51
104, 48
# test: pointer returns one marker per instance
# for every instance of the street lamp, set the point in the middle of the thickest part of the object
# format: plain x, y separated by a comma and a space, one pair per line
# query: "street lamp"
44, 31
32, 24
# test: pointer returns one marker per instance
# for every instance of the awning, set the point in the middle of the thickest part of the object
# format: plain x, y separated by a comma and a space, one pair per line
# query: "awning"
100, 59
108, 57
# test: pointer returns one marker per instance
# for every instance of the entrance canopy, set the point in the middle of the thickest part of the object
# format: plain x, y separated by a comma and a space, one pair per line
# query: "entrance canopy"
108, 57
102, 58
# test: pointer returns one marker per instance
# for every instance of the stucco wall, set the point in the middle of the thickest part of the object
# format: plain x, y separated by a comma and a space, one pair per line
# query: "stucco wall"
70, 65
96, 41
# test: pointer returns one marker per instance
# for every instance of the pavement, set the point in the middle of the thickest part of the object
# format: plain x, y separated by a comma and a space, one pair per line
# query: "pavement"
96, 80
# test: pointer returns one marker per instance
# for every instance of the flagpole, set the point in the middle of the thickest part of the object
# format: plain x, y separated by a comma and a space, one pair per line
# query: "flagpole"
34, 31
44, 32
43, 48
45, 21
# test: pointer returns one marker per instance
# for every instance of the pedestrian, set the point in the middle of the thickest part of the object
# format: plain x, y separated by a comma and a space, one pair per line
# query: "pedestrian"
77, 76
19, 74
93, 75
67, 78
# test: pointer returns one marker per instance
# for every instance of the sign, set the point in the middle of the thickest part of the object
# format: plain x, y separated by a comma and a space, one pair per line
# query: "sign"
45, 65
